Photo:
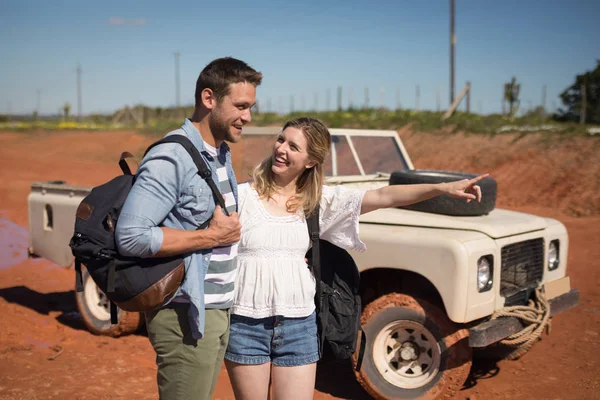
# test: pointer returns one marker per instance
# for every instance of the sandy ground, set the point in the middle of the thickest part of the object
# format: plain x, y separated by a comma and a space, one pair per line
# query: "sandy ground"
46, 353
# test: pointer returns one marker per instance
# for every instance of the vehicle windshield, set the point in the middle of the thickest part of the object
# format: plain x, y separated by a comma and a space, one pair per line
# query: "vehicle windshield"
353, 152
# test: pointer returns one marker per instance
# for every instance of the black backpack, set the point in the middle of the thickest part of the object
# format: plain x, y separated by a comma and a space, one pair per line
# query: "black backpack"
337, 297
131, 283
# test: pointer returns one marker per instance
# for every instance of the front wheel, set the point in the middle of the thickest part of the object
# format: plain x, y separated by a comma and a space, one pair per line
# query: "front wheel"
413, 350
94, 308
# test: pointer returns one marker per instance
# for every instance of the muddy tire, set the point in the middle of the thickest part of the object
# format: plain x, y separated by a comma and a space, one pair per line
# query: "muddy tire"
413, 350
94, 308
445, 204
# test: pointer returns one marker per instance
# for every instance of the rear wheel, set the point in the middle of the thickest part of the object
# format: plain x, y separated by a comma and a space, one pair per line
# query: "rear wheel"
413, 350
94, 307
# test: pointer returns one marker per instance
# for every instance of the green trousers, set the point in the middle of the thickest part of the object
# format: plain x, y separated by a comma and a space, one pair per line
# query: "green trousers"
187, 368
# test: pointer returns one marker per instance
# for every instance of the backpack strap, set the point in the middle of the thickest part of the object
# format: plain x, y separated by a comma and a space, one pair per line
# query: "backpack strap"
203, 169
313, 231
78, 276
361, 349
125, 156
114, 314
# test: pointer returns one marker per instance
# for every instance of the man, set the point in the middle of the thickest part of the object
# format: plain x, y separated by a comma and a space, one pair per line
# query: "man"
166, 205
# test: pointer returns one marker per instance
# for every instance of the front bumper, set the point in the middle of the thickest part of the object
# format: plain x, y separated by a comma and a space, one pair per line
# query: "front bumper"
490, 332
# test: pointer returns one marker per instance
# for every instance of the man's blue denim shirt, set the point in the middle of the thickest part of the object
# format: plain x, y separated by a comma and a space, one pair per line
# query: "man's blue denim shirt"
169, 192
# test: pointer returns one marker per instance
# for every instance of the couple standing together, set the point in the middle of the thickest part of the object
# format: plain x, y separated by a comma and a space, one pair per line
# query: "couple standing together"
248, 295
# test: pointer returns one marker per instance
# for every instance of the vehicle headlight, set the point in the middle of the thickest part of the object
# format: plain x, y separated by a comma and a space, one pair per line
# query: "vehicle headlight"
485, 273
553, 255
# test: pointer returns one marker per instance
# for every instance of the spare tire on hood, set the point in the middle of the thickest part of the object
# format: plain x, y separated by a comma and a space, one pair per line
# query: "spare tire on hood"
445, 204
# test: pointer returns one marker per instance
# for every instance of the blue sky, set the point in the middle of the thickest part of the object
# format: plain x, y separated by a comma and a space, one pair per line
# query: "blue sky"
303, 48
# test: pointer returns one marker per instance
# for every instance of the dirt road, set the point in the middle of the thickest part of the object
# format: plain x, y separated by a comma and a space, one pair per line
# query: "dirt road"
46, 353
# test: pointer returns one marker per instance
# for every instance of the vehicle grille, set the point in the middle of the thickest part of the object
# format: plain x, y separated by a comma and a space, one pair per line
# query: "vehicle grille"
519, 299
522, 266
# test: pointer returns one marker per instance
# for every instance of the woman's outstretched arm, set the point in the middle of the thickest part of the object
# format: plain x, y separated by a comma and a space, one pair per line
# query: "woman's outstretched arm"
403, 195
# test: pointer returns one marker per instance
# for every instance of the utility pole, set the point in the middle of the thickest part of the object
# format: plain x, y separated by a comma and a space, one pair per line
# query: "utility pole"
583, 104
504, 99
544, 98
417, 95
349, 98
339, 98
452, 42
366, 98
468, 102
39, 101
79, 101
177, 54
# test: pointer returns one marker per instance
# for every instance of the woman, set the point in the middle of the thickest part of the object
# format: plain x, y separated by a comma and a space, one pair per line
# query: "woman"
273, 336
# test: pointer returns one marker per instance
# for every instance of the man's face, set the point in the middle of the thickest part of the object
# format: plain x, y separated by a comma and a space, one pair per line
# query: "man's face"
233, 112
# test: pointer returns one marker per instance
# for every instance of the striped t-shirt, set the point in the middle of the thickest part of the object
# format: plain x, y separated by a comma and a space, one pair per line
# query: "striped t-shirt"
222, 268
220, 277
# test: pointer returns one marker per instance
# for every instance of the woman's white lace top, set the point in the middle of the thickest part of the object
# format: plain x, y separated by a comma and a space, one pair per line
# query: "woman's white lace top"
273, 277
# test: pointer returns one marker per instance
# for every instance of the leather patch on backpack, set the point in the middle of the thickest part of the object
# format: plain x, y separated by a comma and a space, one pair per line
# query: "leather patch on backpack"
84, 211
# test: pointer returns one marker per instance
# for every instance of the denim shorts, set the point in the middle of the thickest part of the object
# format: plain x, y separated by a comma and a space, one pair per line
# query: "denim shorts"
286, 342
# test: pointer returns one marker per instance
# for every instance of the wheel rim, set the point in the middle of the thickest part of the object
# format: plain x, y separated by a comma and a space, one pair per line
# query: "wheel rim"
96, 301
406, 354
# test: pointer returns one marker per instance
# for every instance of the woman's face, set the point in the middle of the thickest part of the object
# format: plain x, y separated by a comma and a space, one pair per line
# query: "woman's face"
290, 156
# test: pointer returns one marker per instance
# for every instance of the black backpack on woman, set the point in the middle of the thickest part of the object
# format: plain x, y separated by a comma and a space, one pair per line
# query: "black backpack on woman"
337, 297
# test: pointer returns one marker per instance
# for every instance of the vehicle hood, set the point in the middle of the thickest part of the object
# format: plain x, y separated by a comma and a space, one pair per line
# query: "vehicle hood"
497, 224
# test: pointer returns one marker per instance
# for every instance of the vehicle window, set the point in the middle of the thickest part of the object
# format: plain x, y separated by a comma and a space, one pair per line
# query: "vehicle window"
378, 154
346, 165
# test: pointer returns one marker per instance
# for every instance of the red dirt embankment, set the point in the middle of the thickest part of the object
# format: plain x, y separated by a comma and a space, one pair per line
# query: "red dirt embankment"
46, 353
534, 170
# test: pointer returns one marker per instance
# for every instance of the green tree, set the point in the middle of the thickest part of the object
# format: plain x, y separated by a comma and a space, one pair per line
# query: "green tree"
511, 95
66, 108
572, 97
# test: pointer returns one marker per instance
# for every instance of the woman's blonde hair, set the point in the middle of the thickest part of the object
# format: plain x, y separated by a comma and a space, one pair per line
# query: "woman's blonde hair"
309, 184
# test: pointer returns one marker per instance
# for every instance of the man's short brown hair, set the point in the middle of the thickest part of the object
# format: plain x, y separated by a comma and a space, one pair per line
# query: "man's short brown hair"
222, 72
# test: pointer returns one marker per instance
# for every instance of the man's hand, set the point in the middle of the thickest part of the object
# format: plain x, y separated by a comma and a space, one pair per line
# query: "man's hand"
226, 229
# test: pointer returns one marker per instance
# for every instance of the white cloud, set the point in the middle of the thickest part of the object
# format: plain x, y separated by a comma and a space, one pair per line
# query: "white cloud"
127, 22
